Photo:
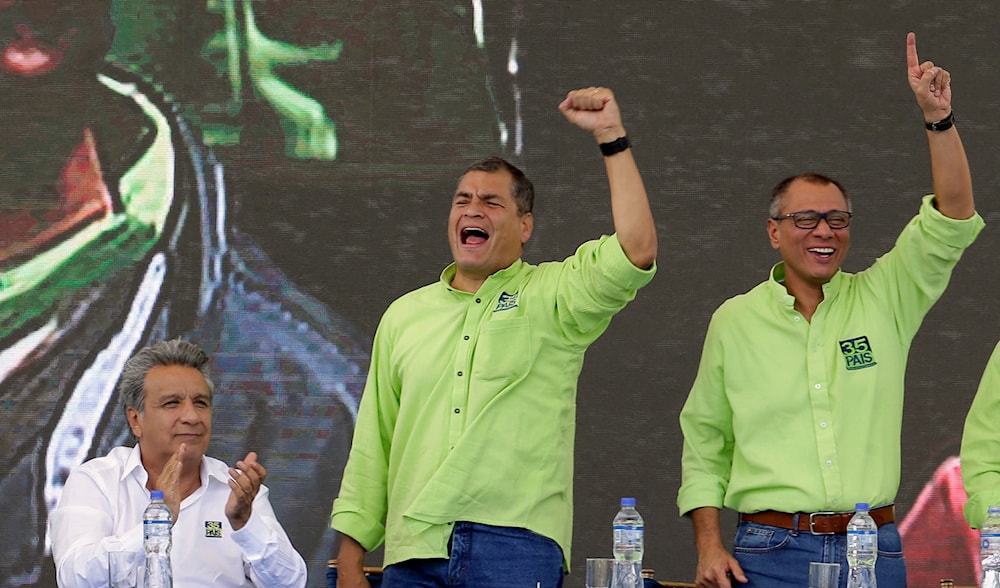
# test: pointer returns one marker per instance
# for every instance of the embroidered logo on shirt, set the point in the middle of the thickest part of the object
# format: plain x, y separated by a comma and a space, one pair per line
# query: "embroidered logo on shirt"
857, 353
506, 302
213, 529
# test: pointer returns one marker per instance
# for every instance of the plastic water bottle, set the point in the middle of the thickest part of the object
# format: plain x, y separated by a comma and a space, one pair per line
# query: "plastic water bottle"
862, 548
156, 525
628, 546
989, 548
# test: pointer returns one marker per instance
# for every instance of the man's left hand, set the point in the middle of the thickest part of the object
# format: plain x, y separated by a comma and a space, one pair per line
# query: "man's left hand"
245, 481
595, 110
930, 84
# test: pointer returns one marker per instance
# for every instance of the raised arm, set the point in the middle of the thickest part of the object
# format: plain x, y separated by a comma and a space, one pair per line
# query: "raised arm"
595, 110
949, 167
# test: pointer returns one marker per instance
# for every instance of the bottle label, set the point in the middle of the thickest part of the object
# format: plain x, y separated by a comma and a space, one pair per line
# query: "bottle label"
628, 535
865, 540
990, 541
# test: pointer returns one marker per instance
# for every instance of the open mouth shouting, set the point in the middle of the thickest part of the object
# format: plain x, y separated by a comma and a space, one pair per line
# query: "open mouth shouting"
474, 236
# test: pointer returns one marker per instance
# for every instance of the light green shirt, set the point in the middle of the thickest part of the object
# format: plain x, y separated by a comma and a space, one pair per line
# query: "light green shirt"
469, 408
799, 416
980, 455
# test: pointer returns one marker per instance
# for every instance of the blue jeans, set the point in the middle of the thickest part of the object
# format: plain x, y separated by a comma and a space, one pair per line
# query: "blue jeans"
772, 557
484, 556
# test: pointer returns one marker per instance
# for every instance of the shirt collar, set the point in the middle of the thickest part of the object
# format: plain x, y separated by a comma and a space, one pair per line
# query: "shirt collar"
133, 466
448, 274
781, 294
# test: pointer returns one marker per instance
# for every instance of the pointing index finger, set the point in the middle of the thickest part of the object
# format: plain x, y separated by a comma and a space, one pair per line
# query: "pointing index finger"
912, 62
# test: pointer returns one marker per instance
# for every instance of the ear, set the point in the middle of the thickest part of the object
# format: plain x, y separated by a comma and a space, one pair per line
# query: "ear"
527, 226
772, 233
134, 421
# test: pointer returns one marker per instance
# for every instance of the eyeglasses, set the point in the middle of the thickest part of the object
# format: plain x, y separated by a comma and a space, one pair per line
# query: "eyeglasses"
809, 219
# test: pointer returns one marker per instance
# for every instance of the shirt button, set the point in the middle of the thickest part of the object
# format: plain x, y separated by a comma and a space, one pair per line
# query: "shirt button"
797, 319
459, 373
818, 386
822, 425
458, 410
478, 300
829, 462
466, 337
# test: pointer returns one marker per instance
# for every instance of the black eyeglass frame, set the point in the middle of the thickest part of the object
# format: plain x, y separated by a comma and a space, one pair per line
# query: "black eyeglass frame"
795, 216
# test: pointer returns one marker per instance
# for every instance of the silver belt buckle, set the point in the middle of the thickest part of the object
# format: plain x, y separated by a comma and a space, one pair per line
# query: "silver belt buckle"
812, 522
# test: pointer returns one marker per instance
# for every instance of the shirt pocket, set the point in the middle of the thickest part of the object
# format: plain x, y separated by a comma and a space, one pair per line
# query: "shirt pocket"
503, 350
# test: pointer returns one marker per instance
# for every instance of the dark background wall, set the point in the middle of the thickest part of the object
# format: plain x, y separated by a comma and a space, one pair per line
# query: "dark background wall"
721, 98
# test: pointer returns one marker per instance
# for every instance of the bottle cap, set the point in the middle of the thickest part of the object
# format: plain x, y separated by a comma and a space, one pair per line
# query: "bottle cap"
994, 508
861, 506
628, 501
156, 494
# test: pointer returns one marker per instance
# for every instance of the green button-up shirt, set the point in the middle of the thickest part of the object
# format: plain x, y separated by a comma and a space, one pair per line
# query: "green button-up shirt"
799, 416
469, 409
980, 455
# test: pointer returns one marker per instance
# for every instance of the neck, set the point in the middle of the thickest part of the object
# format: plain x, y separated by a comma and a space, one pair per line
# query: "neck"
807, 297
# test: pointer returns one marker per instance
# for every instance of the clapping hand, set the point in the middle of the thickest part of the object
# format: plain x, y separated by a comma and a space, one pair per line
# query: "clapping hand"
245, 481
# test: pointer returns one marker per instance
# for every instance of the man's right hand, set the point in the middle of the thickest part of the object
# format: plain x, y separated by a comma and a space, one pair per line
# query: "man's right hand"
351, 564
717, 569
169, 481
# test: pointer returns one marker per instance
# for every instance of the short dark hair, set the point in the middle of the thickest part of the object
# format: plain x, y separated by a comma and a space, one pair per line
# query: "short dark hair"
777, 195
523, 190
131, 386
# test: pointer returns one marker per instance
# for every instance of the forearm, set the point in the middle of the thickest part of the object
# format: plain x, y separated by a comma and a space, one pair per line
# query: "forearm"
707, 531
274, 562
82, 529
351, 563
630, 208
931, 85
952, 179
351, 554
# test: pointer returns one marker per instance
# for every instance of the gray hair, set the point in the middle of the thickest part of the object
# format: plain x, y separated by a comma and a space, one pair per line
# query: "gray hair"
778, 194
522, 189
131, 386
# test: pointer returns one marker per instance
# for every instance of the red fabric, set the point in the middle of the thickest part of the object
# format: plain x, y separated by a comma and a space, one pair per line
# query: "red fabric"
937, 541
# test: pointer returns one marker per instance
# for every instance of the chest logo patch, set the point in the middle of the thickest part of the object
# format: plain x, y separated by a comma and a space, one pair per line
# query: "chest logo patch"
857, 353
213, 529
506, 302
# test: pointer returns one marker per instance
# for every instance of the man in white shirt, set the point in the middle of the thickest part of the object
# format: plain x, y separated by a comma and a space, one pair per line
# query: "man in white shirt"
225, 532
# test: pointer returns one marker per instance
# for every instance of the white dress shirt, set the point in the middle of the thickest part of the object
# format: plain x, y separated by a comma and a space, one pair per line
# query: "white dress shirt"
101, 510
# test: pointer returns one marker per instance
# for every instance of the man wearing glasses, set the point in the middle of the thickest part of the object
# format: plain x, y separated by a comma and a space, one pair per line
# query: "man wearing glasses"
795, 414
